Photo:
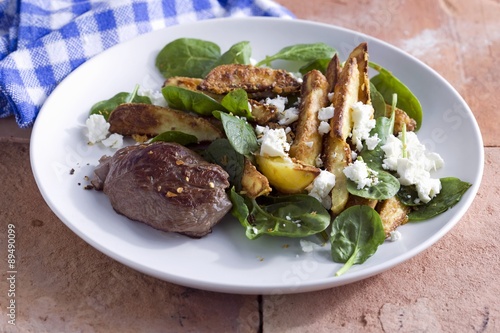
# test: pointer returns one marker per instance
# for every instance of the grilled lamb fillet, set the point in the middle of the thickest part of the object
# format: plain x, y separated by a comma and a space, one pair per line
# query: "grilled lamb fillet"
165, 185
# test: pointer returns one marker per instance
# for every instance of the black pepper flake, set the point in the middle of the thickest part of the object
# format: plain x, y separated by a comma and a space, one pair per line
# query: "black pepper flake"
88, 187
72, 171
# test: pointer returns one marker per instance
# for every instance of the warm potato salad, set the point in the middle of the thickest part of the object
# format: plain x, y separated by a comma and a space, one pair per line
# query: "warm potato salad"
316, 145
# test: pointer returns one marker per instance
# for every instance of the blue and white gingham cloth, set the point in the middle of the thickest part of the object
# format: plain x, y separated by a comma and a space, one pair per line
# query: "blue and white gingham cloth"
42, 41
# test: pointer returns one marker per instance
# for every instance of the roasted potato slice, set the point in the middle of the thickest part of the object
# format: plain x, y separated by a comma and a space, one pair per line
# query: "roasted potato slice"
333, 72
287, 175
307, 145
400, 118
263, 113
133, 119
345, 95
393, 214
361, 55
337, 155
224, 78
190, 83
354, 200
254, 183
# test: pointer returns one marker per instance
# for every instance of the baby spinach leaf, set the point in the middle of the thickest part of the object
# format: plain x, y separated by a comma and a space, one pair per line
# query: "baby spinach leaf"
408, 195
318, 64
222, 153
176, 136
189, 100
239, 53
375, 157
187, 57
236, 102
387, 84
451, 192
239, 133
387, 187
378, 102
297, 215
301, 52
356, 235
105, 107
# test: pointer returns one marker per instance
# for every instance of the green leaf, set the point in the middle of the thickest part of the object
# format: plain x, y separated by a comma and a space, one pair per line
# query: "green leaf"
301, 52
378, 102
387, 187
387, 84
176, 136
189, 100
222, 153
239, 53
451, 193
239, 133
105, 107
356, 235
375, 157
236, 102
297, 215
187, 57
318, 64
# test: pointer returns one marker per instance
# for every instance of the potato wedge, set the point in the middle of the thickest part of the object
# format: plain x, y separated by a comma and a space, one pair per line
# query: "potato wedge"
393, 214
254, 183
190, 83
224, 78
150, 120
400, 118
337, 155
361, 55
345, 95
263, 113
288, 176
307, 145
333, 72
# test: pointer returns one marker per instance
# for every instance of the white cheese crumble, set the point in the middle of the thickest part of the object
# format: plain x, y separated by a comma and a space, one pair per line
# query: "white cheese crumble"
279, 102
363, 123
415, 168
115, 140
359, 173
155, 96
97, 128
307, 246
394, 236
324, 127
326, 113
321, 187
288, 116
272, 141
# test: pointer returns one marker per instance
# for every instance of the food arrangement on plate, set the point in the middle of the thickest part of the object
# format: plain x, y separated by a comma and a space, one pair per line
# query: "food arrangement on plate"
325, 149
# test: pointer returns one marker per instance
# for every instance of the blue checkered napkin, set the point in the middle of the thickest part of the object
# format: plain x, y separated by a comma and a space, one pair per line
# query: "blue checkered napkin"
41, 42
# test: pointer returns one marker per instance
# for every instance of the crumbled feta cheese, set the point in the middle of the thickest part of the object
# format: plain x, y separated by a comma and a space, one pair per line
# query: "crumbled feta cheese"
324, 127
97, 128
363, 123
113, 141
415, 168
330, 96
318, 161
372, 141
321, 187
359, 173
288, 116
279, 102
394, 236
326, 113
272, 141
155, 96
310, 144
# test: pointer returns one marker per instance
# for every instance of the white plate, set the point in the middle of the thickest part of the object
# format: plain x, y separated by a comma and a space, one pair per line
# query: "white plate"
225, 260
